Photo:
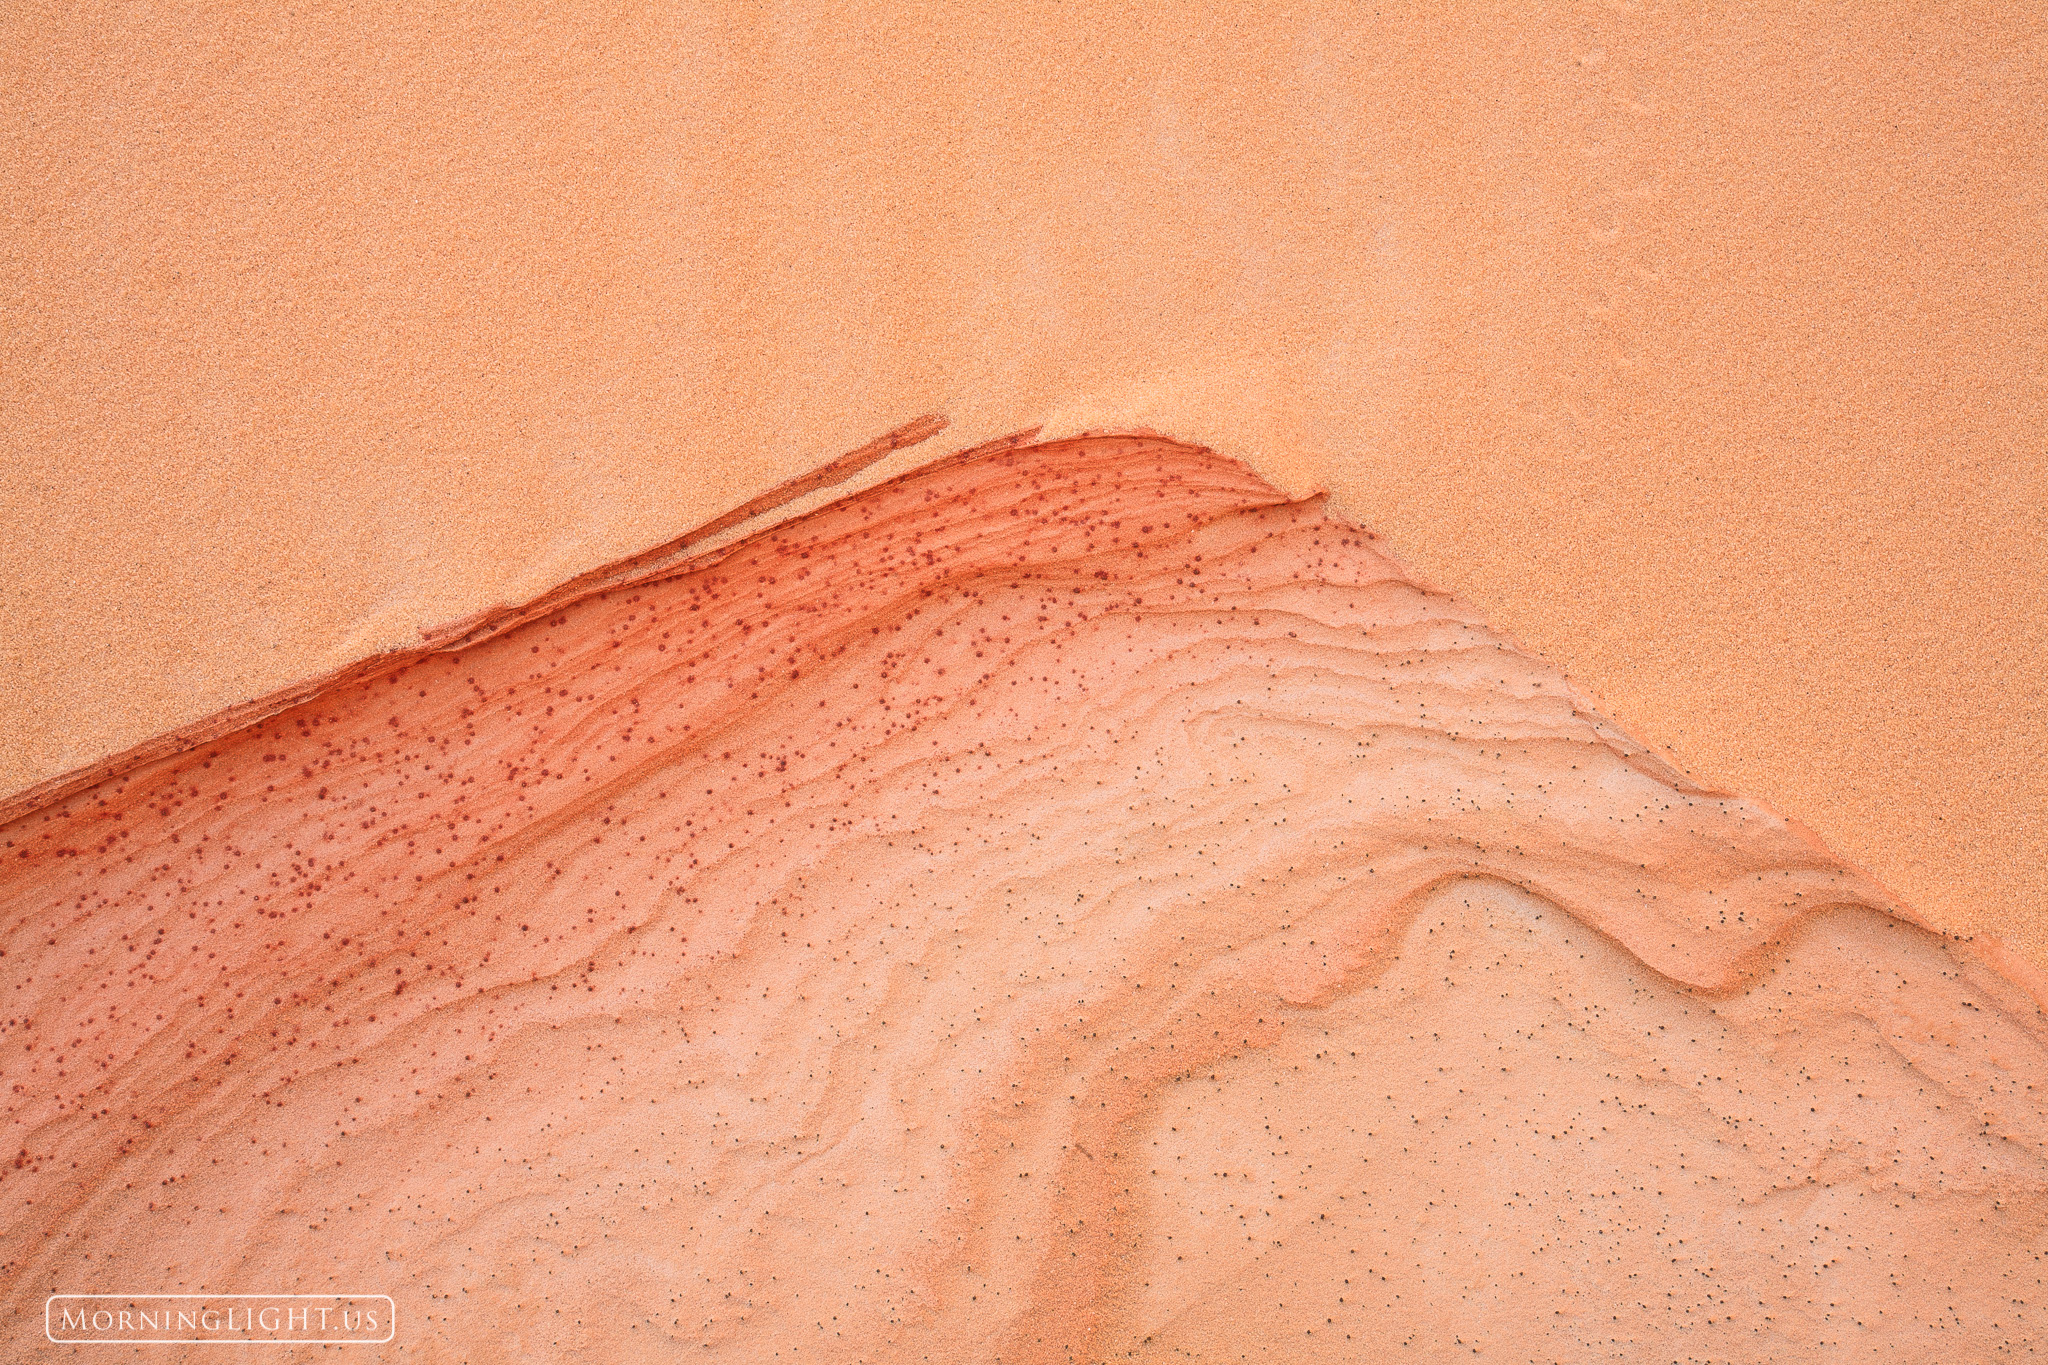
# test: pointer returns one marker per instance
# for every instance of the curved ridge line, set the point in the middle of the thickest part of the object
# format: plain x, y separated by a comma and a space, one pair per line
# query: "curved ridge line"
481, 625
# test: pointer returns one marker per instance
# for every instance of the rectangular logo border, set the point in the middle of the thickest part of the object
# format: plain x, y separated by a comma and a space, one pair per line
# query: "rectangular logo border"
208, 1341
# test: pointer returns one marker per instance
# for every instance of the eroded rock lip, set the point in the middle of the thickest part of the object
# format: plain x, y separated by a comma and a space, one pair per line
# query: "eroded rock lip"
1065, 902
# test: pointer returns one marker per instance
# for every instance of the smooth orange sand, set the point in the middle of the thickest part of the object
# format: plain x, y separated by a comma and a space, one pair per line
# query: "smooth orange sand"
1700, 348
1068, 903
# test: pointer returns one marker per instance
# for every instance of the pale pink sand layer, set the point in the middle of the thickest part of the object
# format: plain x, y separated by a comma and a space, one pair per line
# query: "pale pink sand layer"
1069, 903
1698, 345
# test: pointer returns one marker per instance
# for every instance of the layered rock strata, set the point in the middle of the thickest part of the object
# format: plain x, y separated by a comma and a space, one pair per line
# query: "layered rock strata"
1067, 903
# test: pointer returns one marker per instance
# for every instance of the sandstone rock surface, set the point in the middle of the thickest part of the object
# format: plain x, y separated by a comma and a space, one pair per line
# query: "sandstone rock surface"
1068, 903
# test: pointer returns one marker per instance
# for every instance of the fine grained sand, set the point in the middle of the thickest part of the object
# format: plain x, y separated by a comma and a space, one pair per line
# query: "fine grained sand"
1071, 902
1697, 345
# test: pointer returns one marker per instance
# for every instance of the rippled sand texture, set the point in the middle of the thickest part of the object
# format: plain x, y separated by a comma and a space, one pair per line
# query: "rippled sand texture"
1069, 903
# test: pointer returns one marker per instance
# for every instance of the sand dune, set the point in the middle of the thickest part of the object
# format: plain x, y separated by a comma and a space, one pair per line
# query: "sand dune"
1066, 903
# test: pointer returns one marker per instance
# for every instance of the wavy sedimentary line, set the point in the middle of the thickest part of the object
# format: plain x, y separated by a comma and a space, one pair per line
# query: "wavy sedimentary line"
814, 946
490, 621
